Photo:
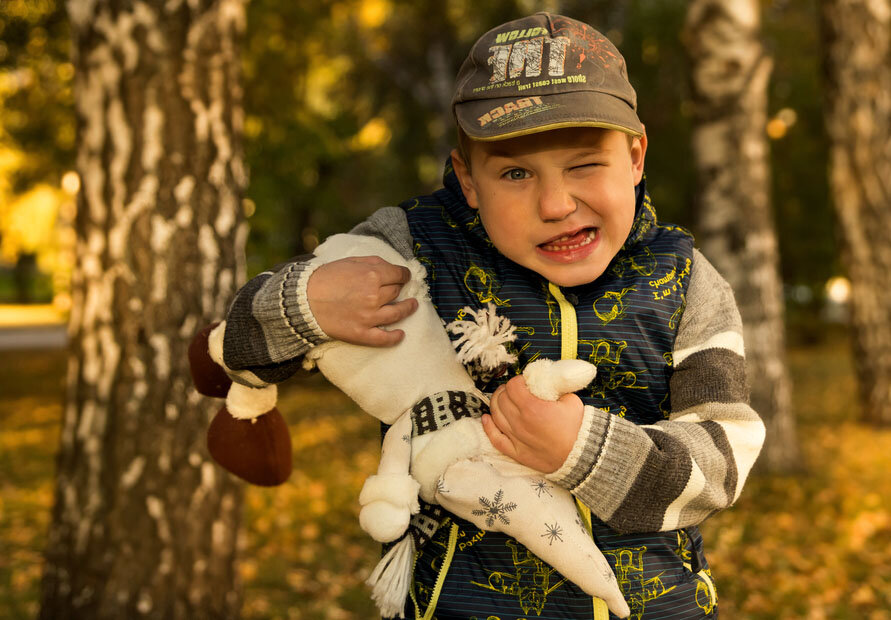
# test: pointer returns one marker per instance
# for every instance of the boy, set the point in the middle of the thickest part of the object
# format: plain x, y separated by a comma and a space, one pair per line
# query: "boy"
544, 213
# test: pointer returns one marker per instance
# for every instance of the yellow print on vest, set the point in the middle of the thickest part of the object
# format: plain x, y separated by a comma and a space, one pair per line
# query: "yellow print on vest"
665, 406
669, 284
553, 309
417, 205
644, 264
622, 411
519, 366
428, 264
530, 582
676, 316
448, 219
683, 550
629, 573
705, 598
611, 305
615, 379
482, 283
604, 351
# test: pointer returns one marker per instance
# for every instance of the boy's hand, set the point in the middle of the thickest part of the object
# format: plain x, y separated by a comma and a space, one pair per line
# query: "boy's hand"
352, 298
535, 433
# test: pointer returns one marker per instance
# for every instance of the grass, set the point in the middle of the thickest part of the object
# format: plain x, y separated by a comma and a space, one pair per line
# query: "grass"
807, 547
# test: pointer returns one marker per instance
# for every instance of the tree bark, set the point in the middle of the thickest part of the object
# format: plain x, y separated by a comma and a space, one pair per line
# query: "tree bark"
729, 76
857, 67
144, 524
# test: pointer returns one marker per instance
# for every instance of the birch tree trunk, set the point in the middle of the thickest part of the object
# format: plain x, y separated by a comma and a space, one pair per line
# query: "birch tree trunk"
729, 76
857, 68
144, 524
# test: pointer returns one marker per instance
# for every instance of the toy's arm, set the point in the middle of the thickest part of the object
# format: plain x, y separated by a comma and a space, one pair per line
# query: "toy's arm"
269, 326
390, 497
676, 472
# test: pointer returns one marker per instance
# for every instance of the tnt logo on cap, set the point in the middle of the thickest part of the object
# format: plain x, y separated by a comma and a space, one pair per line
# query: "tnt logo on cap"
543, 72
509, 60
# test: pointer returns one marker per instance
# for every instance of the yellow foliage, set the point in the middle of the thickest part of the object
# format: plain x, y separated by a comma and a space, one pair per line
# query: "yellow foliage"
793, 547
321, 80
373, 13
28, 222
376, 133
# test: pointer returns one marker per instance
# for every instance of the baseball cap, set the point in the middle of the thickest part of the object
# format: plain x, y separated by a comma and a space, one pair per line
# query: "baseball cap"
539, 73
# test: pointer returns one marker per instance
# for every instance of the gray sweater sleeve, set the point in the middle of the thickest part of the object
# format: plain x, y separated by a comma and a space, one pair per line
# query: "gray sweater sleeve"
269, 326
677, 472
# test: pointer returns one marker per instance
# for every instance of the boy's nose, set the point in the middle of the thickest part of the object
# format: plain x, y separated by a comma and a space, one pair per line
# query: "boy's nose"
555, 202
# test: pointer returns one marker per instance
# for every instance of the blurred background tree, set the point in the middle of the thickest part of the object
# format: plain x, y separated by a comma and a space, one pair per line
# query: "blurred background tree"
857, 61
730, 71
144, 524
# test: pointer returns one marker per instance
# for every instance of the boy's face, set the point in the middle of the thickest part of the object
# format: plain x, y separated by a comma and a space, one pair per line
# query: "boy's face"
560, 202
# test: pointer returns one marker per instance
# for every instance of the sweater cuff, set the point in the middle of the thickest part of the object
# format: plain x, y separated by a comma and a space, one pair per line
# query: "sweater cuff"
585, 451
294, 298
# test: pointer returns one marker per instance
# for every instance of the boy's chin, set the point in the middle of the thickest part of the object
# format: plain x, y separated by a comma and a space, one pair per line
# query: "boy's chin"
570, 275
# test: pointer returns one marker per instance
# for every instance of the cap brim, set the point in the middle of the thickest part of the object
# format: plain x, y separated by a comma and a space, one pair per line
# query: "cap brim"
499, 119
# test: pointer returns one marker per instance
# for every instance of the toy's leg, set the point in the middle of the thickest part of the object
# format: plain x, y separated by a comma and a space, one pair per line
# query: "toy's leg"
389, 498
506, 497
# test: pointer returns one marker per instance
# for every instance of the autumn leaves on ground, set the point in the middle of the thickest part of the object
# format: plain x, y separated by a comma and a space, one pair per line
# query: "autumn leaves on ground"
816, 545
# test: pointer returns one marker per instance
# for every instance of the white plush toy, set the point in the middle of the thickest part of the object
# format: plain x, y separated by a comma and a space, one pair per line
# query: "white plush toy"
448, 459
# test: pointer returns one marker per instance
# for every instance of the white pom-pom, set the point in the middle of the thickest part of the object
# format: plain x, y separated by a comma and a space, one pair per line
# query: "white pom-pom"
549, 379
482, 339
247, 403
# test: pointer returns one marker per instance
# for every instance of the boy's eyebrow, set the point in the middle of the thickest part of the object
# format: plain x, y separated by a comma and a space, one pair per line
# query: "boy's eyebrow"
494, 151
590, 150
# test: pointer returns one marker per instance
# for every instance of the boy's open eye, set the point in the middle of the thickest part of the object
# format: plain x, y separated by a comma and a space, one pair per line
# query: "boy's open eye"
516, 174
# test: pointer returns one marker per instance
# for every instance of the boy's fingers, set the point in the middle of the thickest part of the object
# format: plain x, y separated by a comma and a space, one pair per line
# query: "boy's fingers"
389, 292
499, 406
394, 274
378, 337
499, 440
395, 312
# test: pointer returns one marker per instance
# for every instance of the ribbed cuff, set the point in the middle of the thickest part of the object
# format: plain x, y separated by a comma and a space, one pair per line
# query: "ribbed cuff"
293, 295
586, 449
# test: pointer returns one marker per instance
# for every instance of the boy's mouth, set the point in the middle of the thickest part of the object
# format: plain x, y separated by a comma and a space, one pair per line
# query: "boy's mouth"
571, 241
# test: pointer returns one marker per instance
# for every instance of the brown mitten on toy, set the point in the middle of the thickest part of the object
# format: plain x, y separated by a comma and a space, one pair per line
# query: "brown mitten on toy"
258, 450
248, 437
209, 377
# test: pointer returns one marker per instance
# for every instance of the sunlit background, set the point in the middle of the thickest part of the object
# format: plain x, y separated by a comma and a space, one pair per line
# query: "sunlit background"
346, 110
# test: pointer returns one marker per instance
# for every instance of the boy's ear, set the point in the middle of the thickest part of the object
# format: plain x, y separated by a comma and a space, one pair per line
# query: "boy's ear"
462, 171
638, 154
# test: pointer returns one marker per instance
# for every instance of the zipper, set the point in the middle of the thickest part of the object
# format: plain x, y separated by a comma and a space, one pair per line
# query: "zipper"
569, 328
569, 340
440, 577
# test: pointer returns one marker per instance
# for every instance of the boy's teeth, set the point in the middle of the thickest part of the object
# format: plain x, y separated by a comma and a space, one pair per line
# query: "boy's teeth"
557, 245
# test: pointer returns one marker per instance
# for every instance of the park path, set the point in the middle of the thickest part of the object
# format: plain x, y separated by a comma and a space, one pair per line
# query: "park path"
33, 337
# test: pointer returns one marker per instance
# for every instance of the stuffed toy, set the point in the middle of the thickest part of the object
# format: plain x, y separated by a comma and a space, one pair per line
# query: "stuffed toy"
435, 446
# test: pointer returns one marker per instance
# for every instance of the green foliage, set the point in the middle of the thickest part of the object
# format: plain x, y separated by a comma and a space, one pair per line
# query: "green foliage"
36, 99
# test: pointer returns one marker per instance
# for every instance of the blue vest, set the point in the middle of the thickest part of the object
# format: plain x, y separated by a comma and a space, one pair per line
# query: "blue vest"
627, 322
